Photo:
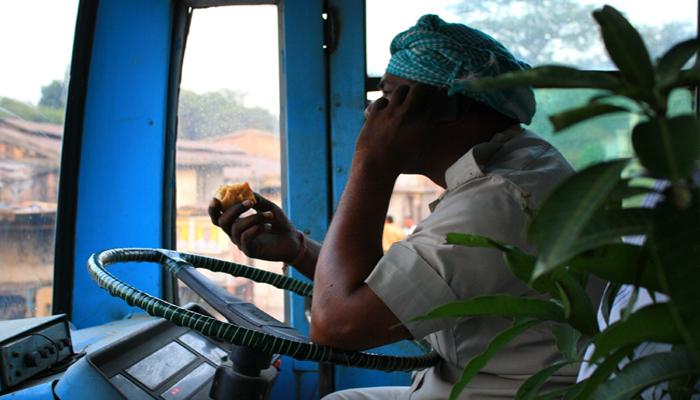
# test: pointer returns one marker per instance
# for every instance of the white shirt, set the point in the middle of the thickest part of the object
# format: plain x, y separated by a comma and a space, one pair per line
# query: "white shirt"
488, 192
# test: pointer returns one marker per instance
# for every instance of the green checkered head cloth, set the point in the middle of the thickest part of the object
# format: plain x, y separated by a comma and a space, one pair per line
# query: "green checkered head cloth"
442, 54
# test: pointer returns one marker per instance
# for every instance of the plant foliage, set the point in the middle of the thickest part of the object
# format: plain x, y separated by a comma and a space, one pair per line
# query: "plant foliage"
579, 229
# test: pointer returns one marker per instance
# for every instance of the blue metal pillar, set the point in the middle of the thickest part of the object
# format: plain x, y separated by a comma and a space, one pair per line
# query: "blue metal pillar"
347, 87
305, 157
120, 181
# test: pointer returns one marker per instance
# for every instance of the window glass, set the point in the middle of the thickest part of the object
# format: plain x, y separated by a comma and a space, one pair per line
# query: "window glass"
597, 139
37, 39
408, 205
228, 131
538, 31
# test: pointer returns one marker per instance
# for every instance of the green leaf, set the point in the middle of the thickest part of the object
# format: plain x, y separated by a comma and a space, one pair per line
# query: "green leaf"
610, 225
602, 372
685, 78
472, 240
645, 372
567, 341
578, 308
602, 96
675, 252
529, 389
564, 393
626, 47
627, 188
606, 227
630, 193
671, 63
652, 323
478, 362
522, 265
683, 388
566, 212
572, 392
631, 304
546, 76
498, 306
608, 300
619, 263
668, 147
573, 116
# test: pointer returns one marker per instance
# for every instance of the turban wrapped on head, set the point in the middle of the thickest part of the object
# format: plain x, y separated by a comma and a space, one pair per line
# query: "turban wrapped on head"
439, 53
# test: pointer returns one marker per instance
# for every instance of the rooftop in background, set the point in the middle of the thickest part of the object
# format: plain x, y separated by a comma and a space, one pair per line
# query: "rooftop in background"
31, 151
232, 149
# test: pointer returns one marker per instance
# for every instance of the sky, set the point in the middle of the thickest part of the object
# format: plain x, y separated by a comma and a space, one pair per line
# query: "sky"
36, 41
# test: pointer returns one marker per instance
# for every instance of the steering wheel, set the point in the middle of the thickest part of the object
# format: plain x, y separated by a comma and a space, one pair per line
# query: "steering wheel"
248, 325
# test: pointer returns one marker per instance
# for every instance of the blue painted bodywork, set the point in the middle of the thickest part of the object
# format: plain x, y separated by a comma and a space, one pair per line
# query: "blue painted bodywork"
42, 391
120, 195
347, 89
304, 130
306, 184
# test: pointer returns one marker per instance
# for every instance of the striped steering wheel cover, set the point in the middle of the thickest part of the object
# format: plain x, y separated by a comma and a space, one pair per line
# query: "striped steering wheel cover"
221, 330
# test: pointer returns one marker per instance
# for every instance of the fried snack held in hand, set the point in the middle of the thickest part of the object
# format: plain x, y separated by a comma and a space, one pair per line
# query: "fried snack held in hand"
234, 193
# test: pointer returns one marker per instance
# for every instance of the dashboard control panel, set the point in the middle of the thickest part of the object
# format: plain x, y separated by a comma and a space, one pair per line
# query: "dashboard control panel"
164, 361
30, 346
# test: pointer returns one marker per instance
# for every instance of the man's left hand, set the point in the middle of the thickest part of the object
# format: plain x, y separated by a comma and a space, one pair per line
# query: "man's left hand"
398, 131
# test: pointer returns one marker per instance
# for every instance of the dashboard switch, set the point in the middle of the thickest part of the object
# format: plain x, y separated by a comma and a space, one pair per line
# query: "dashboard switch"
32, 359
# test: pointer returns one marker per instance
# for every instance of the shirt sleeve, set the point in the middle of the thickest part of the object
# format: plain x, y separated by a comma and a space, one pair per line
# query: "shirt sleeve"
410, 288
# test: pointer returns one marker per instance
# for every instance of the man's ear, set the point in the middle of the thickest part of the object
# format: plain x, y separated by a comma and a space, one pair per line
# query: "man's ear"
448, 109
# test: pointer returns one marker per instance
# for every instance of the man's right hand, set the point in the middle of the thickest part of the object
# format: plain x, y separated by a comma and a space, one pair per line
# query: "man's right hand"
266, 234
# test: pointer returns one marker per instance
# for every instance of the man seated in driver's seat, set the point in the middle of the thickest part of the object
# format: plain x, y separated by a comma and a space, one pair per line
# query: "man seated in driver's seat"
492, 170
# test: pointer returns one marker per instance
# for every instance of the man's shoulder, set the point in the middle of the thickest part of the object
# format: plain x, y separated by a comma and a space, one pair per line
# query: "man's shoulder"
491, 205
528, 152
531, 163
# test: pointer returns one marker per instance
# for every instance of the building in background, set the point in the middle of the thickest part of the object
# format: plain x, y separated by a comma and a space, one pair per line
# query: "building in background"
29, 167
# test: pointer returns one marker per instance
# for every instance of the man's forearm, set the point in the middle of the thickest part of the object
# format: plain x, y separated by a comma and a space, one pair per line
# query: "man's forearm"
353, 244
307, 263
346, 312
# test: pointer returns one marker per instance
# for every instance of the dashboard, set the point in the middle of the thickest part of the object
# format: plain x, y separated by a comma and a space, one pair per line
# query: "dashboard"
165, 361
138, 358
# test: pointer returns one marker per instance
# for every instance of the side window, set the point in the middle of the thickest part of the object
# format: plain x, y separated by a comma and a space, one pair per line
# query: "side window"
539, 32
228, 131
36, 50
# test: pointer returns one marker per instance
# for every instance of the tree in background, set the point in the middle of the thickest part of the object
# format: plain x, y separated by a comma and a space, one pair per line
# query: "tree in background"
657, 38
217, 113
559, 31
200, 115
547, 31
54, 95
51, 108
11, 108
537, 30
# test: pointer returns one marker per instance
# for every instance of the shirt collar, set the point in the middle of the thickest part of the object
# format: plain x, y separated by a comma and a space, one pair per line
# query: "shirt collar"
468, 166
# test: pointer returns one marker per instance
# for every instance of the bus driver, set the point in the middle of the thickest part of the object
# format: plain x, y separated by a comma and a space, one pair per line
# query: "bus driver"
491, 168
